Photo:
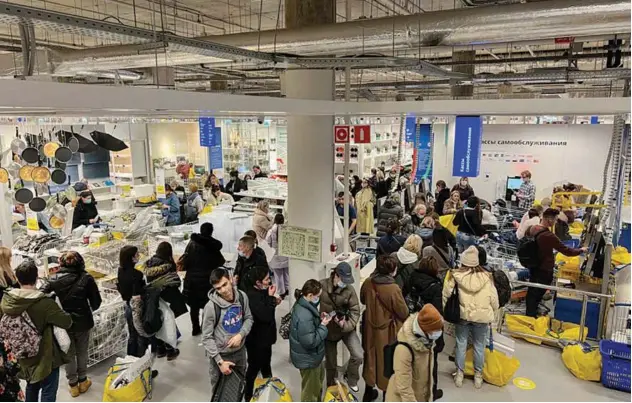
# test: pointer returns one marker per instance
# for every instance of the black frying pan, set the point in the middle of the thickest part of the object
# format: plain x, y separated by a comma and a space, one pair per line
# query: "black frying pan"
58, 176
30, 154
37, 204
73, 142
23, 195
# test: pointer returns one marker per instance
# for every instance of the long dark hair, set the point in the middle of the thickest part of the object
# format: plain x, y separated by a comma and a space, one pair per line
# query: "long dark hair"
126, 256
165, 252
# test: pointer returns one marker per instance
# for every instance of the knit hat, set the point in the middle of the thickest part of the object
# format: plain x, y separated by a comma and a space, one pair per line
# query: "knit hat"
469, 257
429, 319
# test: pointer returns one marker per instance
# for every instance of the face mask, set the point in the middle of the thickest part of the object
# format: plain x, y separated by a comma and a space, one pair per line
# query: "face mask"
316, 300
341, 284
435, 335
87, 201
241, 254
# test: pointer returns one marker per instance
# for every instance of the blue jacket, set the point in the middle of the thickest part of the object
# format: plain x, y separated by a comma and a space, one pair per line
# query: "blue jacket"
173, 212
307, 336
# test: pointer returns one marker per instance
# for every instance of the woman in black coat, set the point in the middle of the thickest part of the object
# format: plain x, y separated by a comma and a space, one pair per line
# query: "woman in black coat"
202, 255
131, 283
85, 212
441, 195
426, 286
159, 265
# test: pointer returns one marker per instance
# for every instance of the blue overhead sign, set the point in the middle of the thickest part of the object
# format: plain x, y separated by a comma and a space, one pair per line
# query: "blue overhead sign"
468, 139
410, 129
216, 155
423, 152
206, 125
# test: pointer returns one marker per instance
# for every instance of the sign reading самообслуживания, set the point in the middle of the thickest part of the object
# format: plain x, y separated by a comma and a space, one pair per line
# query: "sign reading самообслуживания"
468, 137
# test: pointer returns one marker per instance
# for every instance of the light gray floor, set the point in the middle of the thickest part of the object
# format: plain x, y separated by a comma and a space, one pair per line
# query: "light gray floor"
186, 379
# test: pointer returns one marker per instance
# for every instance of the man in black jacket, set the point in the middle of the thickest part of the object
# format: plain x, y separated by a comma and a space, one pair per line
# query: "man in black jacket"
441, 195
390, 210
263, 334
79, 296
247, 260
202, 255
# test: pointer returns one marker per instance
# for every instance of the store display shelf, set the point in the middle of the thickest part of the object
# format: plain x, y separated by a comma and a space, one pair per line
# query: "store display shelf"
123, 175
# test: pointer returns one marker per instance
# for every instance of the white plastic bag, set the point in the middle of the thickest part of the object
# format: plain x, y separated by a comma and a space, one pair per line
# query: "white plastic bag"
168, 332
63, 340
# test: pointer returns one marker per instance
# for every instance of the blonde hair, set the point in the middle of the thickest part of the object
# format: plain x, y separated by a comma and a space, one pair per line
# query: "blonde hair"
420, 207
193, 188
379, 175
5, 267
457, 192
263, 205
414, 243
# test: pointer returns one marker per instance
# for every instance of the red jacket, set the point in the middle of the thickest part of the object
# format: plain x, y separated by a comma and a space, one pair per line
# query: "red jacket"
547, 242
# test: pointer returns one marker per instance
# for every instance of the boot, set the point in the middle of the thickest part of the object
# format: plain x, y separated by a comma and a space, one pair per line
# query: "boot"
173, 354
84, 385
196, 331
74, 390
458, 378
478, 380
370, 394
437, 394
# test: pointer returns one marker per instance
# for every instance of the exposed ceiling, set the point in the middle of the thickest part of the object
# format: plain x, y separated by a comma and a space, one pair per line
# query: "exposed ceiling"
395, 47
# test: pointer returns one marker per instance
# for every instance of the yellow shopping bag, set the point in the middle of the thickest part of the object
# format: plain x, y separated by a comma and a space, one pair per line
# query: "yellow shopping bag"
576, 228
528, 325
137, 391
498, 369
567, 263
207, 209
584, 365
620, 256
566, 330
339, 393
446, 222
270, 390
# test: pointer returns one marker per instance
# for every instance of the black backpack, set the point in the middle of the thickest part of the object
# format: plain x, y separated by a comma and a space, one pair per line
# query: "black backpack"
389, 354
503, 287
528, 253
152, 316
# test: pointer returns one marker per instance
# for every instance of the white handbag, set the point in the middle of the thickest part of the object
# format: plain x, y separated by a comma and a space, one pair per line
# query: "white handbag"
62, 338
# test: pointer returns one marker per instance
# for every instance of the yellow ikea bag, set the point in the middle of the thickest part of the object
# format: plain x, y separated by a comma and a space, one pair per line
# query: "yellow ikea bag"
528, 325
568, 262
137, 391
498, 369
207, 209
584, 365
566, 330
270, 390
576, 228
339, 393
446, 222
620, 256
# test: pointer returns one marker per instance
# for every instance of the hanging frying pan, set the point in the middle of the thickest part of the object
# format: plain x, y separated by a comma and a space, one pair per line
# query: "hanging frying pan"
30, 154
58, 215
58, 176
17, 145
37, 204
26, 173
73, 143
63, 153
4, 174
40, 145
23, 195
60, 165
40, 174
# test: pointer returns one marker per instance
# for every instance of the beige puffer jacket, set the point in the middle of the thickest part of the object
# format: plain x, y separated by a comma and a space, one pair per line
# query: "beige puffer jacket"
261, 224
477, 294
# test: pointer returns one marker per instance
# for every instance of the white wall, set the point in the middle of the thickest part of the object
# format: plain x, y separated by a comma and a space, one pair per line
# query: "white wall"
580, 160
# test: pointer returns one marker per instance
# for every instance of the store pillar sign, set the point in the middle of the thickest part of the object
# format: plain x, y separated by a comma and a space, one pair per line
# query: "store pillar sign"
468, 139
410, 129
341, 134
159, 175
362, 134
206, 125
216, 156
422, 159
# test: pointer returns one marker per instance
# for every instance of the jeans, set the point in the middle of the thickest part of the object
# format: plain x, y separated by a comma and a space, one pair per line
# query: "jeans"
353, 344
534, 295
48, 386
77, 368
464, 241
312, 384
259, 359
238, 357
136, 344
478, 332
282, 280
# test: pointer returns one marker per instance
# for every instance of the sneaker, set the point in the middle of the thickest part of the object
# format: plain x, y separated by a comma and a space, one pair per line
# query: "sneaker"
161, 353
478, 380
74, 390
154, 373
438, 394
458, 378
173, 355
370, 394
353, 386
84, 385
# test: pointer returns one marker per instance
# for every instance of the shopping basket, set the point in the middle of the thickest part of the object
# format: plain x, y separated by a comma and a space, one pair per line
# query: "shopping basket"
615, 370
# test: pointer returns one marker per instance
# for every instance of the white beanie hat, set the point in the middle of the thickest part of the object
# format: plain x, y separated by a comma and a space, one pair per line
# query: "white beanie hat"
469, 257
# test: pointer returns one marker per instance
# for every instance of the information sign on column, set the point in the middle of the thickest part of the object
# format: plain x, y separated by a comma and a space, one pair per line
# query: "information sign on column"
410, 129
216, 155
468, 139
159, 174
422, 159
206, 125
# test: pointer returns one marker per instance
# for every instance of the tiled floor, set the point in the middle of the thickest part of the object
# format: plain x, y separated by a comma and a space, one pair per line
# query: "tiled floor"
186, 379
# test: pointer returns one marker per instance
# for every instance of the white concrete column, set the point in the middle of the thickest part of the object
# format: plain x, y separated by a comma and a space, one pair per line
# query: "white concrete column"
310, 168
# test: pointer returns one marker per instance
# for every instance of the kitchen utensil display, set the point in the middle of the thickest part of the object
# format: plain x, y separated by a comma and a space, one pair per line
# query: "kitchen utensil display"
73, 143
108, 141
60, 165
4, 174
51, 147
26, 173
14, 170
63, 153
85, 146
23, 195
37, 204
40, 174
30, 154
58, 176
17, 144
58, 215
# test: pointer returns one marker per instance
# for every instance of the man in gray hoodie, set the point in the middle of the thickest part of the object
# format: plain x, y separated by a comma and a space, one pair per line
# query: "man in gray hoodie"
226, 322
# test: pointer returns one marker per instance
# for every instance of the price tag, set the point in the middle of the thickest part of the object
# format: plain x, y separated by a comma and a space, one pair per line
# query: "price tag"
126, 190
31, 221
